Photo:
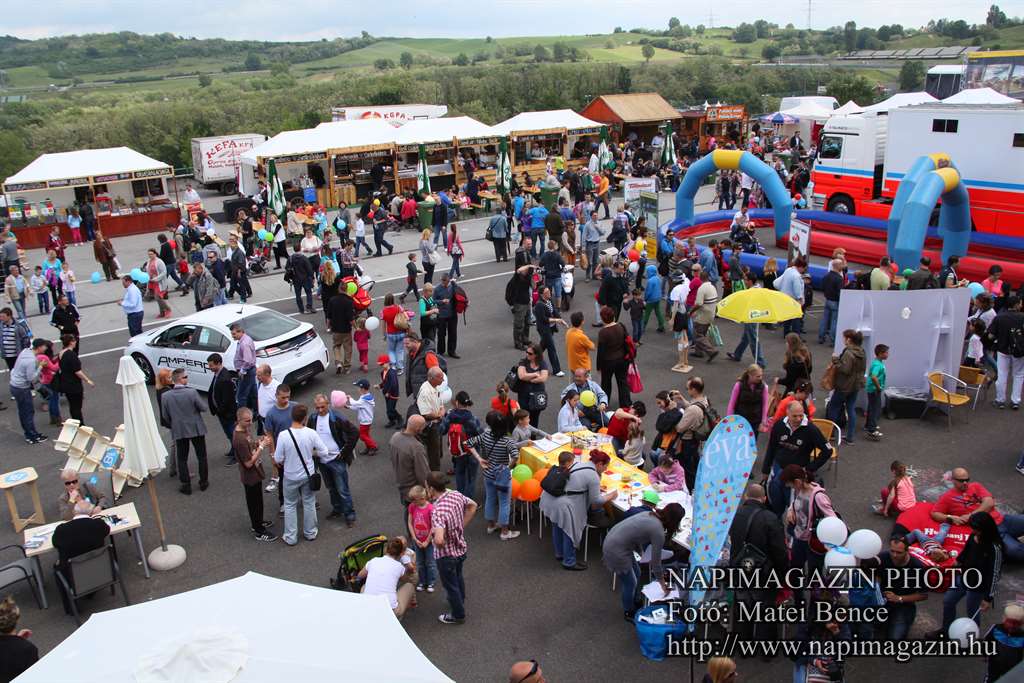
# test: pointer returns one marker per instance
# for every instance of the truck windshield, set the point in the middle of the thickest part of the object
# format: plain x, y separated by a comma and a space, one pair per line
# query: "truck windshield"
831, 146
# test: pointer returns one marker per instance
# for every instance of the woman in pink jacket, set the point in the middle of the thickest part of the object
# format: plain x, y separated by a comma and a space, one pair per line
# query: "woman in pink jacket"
668, 475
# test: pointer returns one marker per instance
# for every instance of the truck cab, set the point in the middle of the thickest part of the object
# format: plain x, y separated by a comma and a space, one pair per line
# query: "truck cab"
849, 165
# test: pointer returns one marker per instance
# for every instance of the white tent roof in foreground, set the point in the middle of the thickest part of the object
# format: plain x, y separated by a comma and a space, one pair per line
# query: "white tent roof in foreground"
264, 628
809, 109
85, 163
980, 96
334, 135
427, 131
903, 99
545, 120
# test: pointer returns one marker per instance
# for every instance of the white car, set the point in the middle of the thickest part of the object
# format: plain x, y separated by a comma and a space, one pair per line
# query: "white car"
292, 348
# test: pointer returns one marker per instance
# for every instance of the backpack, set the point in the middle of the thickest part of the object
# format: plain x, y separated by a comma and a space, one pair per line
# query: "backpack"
456, 440
460, 302
1015, 343
708, 424
512, 379
750, 558
510, 291
556, 479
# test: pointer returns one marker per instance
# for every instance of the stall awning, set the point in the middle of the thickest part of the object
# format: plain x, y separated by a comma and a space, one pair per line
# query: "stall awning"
644, 107
903, 99
552, 120
440, 133
312, 144
85, 166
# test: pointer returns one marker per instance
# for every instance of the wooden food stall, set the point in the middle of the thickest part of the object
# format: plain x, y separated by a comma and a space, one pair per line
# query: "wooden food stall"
726, 122
443, 140
328, 164
535, 135
639, 114
127, 191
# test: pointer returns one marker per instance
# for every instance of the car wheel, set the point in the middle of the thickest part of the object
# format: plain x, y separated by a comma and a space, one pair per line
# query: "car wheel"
146, 368
841, 204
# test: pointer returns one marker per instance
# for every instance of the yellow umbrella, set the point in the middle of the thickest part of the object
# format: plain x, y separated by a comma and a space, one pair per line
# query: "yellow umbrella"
759, 305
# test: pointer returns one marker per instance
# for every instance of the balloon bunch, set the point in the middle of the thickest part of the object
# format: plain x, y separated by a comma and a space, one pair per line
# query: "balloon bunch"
525, 484
844, 548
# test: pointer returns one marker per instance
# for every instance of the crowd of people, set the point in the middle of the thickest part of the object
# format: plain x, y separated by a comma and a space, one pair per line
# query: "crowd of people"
595, 378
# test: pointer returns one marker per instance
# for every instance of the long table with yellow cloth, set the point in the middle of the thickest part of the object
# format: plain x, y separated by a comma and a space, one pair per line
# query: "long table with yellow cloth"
629, 480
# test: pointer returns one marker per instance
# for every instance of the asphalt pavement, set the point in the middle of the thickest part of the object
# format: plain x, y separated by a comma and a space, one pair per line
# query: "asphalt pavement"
520, 604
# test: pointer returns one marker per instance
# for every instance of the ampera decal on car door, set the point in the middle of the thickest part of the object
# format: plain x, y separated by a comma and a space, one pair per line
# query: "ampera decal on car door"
176, 348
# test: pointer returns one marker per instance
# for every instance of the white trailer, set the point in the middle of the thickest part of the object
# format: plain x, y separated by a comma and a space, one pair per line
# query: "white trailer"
215, 159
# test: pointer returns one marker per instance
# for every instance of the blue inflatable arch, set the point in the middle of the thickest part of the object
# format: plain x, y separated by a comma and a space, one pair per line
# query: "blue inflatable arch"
930, 179
733, 159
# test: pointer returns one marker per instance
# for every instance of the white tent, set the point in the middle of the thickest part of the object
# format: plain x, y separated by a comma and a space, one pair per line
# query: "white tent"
86, 163
333, 135
427, 131
980, 96
809, 109
824, 101
546, 120
252, 628
850, 107
903, 99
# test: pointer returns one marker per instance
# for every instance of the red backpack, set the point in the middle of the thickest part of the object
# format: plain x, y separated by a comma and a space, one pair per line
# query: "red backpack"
460, 301
456, 440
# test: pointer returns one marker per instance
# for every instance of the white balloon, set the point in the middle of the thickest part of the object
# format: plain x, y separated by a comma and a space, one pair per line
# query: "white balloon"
633, 267
446, 395
961, 628
832, 530
372, 323
864, 544
839, 557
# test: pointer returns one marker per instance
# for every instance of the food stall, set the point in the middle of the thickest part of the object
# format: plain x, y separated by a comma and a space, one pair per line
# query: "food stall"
329, 163
126, 189
725, 122
445, 141
535, 135
642, 114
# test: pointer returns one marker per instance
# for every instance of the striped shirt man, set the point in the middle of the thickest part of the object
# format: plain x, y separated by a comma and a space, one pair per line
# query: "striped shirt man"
448, 514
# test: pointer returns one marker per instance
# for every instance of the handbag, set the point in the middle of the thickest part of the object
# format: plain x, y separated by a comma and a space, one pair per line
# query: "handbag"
401, 321
828, 380
716, 335
315, 480
633, 379
538, 400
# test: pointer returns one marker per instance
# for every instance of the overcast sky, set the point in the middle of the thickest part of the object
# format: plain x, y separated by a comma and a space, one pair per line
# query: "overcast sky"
315, 19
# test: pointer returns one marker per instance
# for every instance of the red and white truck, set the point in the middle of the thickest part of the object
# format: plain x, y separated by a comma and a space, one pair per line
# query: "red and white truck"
862, 158
215, 159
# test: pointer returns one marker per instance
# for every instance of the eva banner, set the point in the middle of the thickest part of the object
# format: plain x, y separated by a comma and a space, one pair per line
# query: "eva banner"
729, 453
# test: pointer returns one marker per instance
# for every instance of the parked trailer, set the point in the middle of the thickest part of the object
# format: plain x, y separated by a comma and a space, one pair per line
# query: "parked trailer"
215, 159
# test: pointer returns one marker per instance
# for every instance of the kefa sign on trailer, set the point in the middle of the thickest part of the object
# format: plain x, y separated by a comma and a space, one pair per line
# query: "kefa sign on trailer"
729, 455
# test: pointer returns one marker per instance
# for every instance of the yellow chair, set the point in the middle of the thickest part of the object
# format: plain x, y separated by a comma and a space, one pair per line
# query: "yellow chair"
940, 396
828, 429
976, 381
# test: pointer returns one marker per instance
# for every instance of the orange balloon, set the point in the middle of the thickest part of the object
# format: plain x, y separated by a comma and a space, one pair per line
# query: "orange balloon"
516, 485
602, 430
540, 474
529, 490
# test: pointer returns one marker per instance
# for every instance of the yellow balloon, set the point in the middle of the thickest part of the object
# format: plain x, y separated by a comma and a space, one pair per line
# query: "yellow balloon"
588, 398
376, 202
640, 246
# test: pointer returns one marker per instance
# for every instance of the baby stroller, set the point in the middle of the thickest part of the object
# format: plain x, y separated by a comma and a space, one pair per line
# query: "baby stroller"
259, 260
354, 558
567, 286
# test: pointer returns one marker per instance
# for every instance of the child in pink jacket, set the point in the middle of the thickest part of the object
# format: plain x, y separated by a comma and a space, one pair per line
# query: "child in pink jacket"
668, 475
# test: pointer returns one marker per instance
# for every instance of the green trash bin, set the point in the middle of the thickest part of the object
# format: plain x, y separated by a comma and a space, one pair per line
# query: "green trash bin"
425, 211
549, 196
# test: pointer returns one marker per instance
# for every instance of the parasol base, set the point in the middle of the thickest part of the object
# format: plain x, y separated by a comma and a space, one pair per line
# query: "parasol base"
165, 560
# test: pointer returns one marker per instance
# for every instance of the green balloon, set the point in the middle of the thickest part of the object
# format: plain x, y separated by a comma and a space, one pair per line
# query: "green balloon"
351, 288
522, 472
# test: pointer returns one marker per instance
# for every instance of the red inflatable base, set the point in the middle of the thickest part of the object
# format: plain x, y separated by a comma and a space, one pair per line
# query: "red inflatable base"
870, 251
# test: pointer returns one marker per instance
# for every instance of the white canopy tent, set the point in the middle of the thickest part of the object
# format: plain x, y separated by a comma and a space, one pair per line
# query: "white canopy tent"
980, 96
86, 163
231, 632
810, 109
847, 109
529, 121
429, 131
903, 99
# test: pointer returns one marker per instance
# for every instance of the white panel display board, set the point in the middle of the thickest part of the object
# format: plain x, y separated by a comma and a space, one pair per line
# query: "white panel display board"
924, 330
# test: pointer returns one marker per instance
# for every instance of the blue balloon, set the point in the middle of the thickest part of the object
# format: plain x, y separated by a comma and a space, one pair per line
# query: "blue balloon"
976, 288
342, 225
96, 277
143, 279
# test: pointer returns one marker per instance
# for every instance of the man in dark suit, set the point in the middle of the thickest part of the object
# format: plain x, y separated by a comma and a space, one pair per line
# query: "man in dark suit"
182, 407
77, 537
221, 400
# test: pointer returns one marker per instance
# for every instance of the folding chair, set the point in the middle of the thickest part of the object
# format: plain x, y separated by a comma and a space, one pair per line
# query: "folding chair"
88, 573
828, 429
940, 396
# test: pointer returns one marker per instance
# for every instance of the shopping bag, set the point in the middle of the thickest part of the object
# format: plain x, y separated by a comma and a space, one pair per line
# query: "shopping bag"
633, 379
654, 638
715, 335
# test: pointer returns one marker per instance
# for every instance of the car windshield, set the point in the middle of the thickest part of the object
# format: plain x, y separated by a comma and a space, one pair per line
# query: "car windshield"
267, 325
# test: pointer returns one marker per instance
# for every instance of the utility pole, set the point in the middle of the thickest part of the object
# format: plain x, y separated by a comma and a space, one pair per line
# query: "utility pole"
711, 17
808, 15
